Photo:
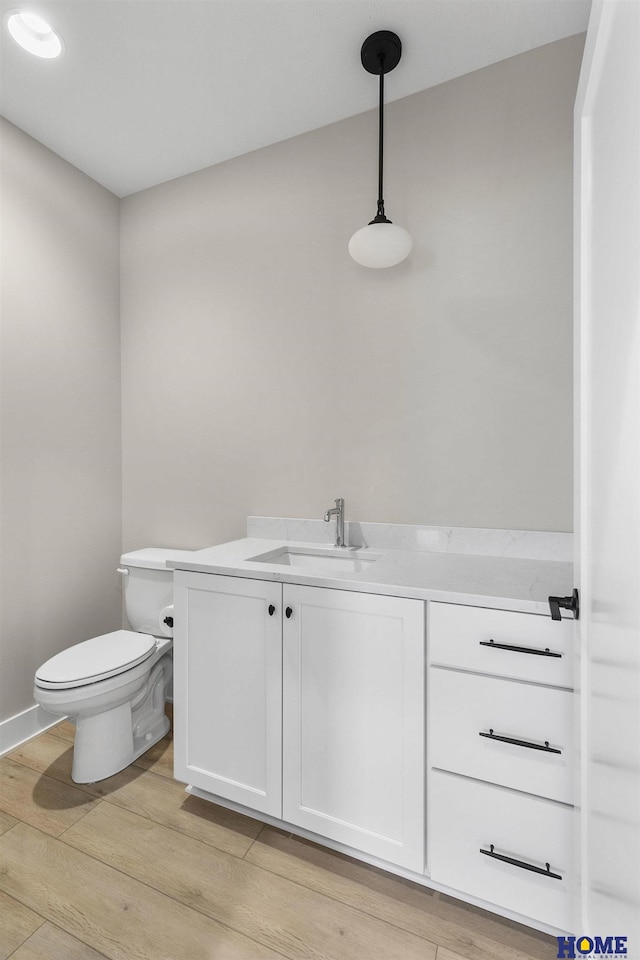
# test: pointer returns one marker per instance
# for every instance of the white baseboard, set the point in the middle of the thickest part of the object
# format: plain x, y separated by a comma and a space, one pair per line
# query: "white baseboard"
15, 731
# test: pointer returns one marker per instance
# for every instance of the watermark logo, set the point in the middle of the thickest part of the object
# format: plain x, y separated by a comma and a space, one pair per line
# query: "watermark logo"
594, 947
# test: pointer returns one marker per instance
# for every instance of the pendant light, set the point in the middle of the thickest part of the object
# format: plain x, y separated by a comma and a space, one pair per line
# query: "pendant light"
381, 243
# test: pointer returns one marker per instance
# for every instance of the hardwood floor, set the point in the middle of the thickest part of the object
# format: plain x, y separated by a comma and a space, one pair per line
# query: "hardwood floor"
133, 868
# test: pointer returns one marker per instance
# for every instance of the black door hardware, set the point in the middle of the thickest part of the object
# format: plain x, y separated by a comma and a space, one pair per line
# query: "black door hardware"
288, 612
272, 609
509, 646
567, 603
168, 621
520, 743
521, 864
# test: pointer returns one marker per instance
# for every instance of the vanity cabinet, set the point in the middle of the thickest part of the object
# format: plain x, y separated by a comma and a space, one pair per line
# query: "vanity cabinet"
501, 758
305, 704
314, 708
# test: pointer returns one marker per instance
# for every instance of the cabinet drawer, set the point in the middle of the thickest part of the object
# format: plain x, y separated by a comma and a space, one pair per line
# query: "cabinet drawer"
465, 705
467, 817
520, 645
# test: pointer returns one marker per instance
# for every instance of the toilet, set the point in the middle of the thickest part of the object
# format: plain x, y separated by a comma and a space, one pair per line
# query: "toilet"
115, 686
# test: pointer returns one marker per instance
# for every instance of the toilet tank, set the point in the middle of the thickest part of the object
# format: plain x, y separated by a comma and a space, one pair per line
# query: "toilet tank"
148, 588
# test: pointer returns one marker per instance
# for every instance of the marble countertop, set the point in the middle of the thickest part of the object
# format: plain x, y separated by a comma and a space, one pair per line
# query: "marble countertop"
502, 582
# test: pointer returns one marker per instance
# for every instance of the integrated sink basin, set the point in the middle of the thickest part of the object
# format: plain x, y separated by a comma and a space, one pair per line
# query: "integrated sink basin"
336, 560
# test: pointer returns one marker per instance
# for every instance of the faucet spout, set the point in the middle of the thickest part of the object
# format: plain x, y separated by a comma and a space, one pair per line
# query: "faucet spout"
338, 513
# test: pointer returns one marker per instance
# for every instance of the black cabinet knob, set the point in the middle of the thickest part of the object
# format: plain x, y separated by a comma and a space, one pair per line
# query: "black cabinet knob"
272, 609
288, 612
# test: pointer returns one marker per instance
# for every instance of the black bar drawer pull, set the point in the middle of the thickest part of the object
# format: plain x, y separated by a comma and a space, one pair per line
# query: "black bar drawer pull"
509, 646
520, 743
521, 863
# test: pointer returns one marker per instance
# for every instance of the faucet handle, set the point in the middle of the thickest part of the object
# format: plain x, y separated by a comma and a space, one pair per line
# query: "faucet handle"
338, 509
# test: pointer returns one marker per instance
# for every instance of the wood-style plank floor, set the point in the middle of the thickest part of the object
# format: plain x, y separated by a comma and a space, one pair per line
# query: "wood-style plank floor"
133, 868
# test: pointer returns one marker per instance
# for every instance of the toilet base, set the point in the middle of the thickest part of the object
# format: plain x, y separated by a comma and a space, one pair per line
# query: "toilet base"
117, 750
107, 742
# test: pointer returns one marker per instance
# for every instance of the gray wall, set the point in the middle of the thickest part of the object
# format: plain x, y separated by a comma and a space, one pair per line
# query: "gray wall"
60, 493
264, 372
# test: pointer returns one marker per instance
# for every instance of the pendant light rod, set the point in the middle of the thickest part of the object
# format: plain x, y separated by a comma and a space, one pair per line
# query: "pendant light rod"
380, 212
380, 54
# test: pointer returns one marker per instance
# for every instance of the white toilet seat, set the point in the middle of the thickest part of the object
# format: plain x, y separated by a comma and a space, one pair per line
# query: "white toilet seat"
95, 659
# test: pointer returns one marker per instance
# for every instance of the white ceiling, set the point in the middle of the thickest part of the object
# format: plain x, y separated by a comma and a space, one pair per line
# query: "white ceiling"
148, 90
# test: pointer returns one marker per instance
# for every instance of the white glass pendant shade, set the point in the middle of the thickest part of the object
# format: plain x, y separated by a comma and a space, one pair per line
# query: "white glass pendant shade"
380, 245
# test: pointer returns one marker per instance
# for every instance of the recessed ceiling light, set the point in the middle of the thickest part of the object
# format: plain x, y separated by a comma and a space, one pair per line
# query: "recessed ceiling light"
34, 34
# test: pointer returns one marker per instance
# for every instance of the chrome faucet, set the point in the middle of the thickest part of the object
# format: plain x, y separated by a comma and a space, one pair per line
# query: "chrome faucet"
338, 513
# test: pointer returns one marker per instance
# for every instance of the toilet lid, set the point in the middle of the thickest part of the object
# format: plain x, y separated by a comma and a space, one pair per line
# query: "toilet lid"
95, 659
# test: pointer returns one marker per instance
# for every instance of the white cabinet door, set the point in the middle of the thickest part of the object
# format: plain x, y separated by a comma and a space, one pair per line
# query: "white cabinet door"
353, 705
608, 467
228, 688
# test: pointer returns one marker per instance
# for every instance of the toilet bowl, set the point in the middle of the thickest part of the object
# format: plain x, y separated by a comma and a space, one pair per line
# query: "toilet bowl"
114, 686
